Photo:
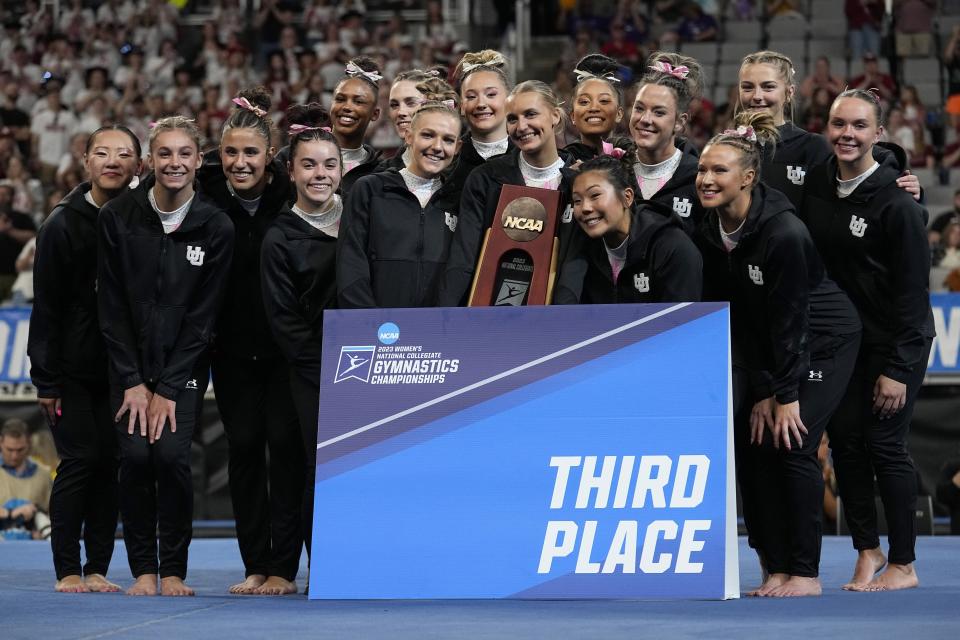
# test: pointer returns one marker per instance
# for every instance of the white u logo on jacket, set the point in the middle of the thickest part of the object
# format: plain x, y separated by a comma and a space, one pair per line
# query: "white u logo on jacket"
195, 255
796, 175
755, 274
682, 207
641, 282
451, 221
858, 226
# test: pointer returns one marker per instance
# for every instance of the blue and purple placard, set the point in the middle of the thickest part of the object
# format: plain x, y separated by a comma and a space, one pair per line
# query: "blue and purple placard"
533, 452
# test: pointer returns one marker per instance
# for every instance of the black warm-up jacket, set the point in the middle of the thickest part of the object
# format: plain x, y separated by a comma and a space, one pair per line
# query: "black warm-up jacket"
392, 251
874, 244
159, 294
365, 168
779, 294
65, 339
242, 330
680, 193
469, 159
662, 265
298, 278
478, 205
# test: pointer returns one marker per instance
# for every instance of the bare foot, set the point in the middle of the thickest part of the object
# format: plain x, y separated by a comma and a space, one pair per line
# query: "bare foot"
145, 585
99, 584
251, 584
71, 584
869, 561
277, 586
773, 581
896, 577
797, 586
174, 586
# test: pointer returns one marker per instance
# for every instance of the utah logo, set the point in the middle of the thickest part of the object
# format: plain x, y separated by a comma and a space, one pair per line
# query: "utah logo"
682, 207
755, 274
858, 226
451, 221
796, 175
641, 282
195, 255
567, 214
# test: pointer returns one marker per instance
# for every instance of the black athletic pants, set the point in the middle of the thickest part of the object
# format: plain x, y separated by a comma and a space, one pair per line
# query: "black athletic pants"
863, 446
783, 504
84, 496
306, 399
257, 410
156, 486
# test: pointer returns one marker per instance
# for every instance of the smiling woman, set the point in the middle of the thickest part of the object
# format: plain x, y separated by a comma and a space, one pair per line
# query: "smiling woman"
354, 108
597, 105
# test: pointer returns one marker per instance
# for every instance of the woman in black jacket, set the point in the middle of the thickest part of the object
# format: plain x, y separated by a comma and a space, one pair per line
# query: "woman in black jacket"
397, 225
354, 107
664, 172
626, 250
250, 375
534, 115
794, 338
597, 107
767, 84
163, 263
299, 278
872, 237
484, 87
69, 365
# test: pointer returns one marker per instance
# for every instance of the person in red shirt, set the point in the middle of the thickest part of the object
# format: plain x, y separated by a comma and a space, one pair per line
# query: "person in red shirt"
873, 78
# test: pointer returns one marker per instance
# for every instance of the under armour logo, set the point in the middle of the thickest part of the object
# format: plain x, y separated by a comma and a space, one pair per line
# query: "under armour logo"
567, 214
816, 376
682, 207
796, 175
858, 226
641, 282
195, 255
755, 274
451, 221
192, 384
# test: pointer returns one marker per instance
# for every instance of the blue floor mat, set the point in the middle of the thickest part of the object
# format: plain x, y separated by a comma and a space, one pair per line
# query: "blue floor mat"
31, 610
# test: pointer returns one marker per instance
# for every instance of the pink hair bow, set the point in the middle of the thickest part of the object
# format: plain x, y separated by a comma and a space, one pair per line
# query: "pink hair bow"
610, 150
353, 70
296, 129
742, 132
680, 72
243, 103
449, 104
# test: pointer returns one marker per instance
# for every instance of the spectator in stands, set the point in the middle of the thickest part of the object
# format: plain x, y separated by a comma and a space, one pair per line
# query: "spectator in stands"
778, 8
270, 20
873, 78
13, 119
821, 78
914, 26
946, 254
948, 491
913, 110
620, 47
633, 16
950, 216
18, 176
24, 486
16, 228
697, 26
863, 26
898, 131
951, 62
815, 115
52, 127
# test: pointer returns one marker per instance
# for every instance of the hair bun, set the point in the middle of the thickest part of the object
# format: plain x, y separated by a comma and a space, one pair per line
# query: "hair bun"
257, 96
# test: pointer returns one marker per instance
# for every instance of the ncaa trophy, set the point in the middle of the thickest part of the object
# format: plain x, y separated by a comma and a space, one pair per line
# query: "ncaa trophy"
518, 261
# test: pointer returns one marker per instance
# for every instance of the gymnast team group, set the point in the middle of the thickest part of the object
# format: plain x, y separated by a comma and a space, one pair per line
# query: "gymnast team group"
224, 262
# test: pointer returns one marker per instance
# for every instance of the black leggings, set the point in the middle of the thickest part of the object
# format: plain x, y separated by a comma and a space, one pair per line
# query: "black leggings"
156, 487
306, 399
257, 410
784, 498
864, 446
84, 496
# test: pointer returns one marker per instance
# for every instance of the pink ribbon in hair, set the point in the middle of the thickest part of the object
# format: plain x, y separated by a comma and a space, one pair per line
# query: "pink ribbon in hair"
297, 129
354, 70
243, 103
680, 72
742, 132
610, 150
449, 104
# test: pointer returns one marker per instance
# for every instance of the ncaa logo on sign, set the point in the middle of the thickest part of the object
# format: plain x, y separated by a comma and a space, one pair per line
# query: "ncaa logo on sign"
388, 333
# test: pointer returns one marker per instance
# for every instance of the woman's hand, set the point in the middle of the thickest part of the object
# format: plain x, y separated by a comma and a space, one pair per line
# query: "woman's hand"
135, 401
889, 396
761, 416
787, 423
158, 413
